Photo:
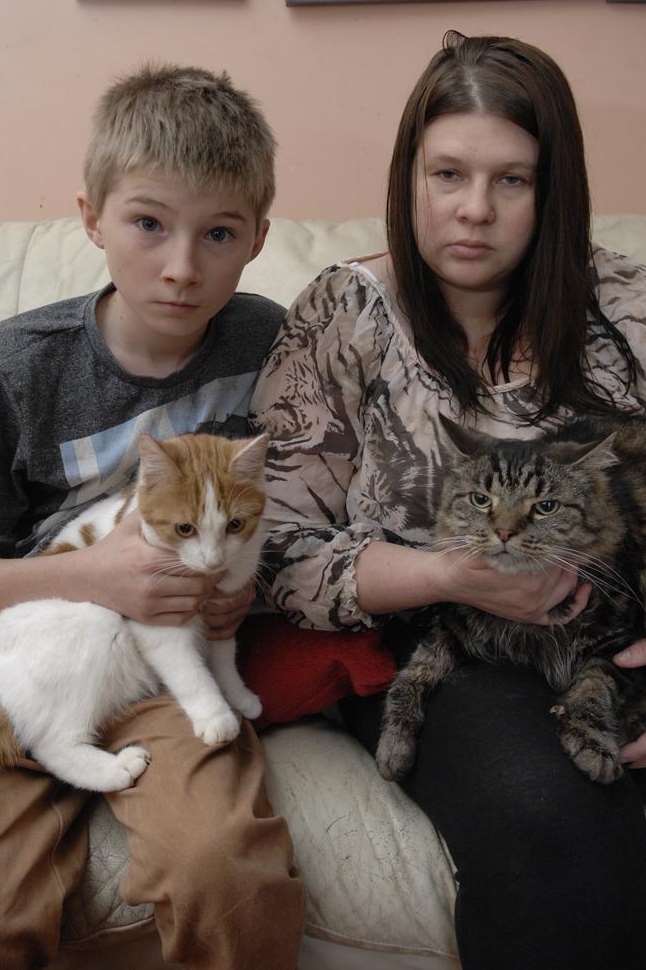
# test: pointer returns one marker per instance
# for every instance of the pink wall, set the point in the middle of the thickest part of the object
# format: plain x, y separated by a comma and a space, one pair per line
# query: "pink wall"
333, 81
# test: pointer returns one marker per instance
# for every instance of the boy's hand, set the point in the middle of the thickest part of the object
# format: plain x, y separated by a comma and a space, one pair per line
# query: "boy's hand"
224, 612
140, 581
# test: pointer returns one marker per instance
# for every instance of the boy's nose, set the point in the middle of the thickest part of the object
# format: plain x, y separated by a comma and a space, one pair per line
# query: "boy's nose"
181, 266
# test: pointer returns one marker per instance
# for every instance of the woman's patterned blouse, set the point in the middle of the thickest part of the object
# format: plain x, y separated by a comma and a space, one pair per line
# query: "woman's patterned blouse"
351, 409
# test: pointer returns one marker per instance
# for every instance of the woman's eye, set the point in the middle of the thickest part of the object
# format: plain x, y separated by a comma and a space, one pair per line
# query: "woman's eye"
479, 500
185, 529
448, 175
512, 180
220, 234
547, 507
148, 224
235, 525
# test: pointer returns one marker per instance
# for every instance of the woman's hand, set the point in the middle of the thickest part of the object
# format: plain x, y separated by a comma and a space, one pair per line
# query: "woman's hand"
126, 574
523, 597
391, 578
633, 754
224, 612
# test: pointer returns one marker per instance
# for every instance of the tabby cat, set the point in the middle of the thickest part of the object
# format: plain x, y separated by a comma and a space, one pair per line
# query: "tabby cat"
576, 498
68, 668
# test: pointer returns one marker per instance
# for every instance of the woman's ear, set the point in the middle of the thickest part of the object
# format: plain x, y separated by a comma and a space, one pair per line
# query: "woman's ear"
90, 219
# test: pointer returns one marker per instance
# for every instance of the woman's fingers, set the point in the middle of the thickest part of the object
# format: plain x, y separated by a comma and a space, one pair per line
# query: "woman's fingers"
634, 754
632, 656
578, 604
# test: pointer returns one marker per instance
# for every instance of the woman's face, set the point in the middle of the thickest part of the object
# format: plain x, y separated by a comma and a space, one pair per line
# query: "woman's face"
474, 183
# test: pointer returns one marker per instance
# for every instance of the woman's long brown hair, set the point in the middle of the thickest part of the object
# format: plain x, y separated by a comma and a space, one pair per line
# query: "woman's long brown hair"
552, 292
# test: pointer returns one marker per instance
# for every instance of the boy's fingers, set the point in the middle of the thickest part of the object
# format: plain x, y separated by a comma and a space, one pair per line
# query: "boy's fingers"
171, 619
227, 602
180, 605
632, 656
222, 632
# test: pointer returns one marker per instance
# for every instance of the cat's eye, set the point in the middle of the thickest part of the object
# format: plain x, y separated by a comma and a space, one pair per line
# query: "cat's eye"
235, 525
185, 529
480, 500
547, 507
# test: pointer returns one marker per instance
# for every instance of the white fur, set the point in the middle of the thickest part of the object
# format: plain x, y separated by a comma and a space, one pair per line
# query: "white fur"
68, 668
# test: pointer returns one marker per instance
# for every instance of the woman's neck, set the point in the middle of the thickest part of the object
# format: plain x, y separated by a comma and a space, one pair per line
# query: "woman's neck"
476, 311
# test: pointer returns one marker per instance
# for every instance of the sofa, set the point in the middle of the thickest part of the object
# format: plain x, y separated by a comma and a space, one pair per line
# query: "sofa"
379, 881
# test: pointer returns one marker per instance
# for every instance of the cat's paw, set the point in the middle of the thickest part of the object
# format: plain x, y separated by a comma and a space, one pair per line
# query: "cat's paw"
130, 763
395, 754
248, 704
594, 752
218, 728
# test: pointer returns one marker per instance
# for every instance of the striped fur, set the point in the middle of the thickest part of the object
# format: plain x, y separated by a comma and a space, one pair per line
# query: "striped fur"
576, 497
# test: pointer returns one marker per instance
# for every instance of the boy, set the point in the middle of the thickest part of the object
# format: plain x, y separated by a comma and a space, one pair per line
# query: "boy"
179, 179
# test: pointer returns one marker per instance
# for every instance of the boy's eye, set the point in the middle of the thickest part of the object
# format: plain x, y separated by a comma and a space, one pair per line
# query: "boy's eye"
220, 234
235, 525
547, 507
480, 501
185, 529
148, 224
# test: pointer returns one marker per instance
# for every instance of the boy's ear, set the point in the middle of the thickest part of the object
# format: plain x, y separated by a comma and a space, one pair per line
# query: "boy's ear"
90, 219
259, 241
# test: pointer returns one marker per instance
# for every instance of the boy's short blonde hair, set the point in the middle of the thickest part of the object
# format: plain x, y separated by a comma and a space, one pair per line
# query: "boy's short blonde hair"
185, 121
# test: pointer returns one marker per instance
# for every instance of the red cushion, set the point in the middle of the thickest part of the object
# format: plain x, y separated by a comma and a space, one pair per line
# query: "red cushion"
297, 672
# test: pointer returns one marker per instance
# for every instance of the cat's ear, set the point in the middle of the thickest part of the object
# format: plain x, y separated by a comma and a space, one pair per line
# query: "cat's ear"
155, 463
460, 441
592, 454
249, 462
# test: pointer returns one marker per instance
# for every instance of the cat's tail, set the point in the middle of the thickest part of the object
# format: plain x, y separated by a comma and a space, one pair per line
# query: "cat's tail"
10, 750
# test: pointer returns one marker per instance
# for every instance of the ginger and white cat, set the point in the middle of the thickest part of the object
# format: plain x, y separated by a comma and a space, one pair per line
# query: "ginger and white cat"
68, 668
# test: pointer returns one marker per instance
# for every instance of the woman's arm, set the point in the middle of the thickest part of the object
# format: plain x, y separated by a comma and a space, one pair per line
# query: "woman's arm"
309, 398
323, 569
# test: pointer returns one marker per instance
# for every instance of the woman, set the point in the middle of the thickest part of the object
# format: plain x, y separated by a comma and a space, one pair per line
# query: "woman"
491, 308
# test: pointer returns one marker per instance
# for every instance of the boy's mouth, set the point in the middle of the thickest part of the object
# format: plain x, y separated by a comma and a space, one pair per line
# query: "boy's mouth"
178, 305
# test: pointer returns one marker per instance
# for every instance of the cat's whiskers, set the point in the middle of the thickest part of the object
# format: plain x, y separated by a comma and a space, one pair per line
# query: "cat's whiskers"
598, 568
169, 567
605, 587
595, 562
451, 544
444, 540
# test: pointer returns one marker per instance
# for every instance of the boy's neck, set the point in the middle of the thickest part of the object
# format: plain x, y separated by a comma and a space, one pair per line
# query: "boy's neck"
141, 353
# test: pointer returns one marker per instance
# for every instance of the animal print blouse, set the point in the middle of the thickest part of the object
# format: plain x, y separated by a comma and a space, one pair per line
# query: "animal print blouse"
351, 409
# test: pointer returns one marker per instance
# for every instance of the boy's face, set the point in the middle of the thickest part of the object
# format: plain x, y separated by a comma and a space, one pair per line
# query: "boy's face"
175, 255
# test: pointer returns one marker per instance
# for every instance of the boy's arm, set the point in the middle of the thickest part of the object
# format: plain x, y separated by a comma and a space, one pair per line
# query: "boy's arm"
121, 572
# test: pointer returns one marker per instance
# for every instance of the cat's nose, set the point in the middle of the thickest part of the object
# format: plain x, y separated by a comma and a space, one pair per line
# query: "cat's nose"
505, 534
213, 563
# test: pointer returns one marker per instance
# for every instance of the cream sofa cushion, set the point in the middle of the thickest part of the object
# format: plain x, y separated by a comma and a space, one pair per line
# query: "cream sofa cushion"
41, 262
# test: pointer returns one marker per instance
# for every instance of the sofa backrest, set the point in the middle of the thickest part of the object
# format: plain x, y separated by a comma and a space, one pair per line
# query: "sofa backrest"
41, 262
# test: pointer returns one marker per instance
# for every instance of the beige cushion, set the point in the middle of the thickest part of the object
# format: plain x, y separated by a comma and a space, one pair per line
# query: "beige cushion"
376, 874
41, 262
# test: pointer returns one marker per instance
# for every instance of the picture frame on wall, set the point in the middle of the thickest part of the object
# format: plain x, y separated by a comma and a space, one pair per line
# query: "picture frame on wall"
328, 3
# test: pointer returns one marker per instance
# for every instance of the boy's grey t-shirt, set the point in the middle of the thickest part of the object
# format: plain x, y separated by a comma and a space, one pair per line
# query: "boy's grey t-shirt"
70, 415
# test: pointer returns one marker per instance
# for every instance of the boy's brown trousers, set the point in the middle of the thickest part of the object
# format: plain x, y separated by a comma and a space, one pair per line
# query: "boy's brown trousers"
203, 847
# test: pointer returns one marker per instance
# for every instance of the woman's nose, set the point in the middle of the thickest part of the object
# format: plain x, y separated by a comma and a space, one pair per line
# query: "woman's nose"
476, 205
